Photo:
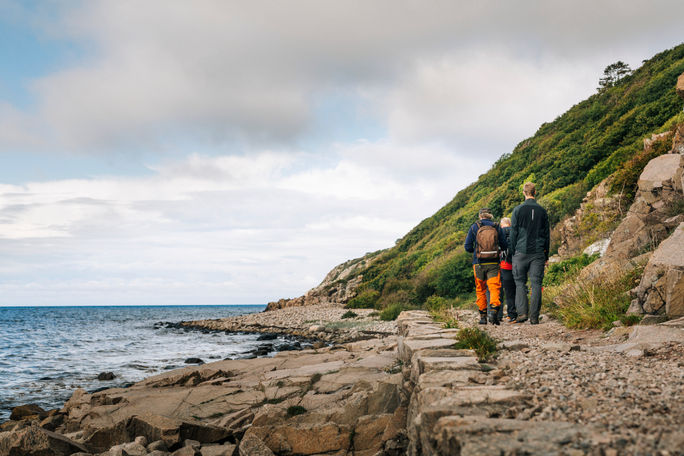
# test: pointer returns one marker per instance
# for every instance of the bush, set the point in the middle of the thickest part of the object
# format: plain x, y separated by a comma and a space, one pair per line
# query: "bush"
391, 312
364, 300
631, 320
565, 270
455, 277
595, 304
478, 340
349, 314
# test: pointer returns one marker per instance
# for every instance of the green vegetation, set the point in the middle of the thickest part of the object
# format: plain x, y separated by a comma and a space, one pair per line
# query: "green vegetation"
567, 269
478, 340
599, 137
349, 314
391, 312
631, 320
294, 410
594, 304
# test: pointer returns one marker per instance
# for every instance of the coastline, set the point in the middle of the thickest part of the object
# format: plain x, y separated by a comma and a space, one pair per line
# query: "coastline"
406, 393
317, 322
214, 403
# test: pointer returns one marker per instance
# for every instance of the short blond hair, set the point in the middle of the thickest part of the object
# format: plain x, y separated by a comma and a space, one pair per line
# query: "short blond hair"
529, 189
506, 221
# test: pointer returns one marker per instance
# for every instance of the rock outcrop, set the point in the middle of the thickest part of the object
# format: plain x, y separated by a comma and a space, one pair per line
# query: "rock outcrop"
338, 286
593, 221
347, 398
680, 85
661, 289
654, 214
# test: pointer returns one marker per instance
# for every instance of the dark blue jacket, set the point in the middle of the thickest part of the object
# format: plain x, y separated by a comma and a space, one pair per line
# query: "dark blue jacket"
472, 236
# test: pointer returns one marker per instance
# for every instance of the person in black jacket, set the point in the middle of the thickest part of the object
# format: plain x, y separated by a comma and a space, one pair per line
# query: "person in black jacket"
529, 248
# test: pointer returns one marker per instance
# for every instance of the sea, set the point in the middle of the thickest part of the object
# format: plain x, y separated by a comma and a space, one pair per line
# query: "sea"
48, 352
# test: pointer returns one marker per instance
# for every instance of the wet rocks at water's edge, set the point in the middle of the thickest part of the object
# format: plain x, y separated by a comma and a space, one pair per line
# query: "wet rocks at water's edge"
271, 343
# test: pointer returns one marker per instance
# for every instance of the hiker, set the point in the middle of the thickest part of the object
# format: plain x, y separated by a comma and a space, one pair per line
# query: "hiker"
507, 281
529, 241
485, 241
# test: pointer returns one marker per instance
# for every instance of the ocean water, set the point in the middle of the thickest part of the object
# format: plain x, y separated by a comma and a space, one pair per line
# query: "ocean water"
48, 352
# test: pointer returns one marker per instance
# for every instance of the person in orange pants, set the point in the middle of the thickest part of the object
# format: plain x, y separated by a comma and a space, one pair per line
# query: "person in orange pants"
486, 240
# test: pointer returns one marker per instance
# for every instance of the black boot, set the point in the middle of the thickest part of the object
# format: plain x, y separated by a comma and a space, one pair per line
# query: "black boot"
483, 317
494, 316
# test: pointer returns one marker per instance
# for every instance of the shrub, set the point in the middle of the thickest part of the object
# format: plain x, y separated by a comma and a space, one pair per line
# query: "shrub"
631, 320
364, 300
391, 312
558, 273
349, 314
478, 340
595, 304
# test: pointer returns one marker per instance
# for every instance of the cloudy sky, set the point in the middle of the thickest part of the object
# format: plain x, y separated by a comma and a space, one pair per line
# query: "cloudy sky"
225, 152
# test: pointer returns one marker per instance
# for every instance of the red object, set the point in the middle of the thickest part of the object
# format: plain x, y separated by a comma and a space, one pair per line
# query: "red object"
506, 265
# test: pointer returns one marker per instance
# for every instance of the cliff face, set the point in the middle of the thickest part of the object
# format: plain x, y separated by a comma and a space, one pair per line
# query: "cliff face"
338, 286
651, 234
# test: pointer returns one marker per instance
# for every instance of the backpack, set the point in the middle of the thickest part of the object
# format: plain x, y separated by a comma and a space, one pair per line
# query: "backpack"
487, 242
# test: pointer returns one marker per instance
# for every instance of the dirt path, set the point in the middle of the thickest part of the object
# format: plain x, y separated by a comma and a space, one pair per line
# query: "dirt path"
635, 396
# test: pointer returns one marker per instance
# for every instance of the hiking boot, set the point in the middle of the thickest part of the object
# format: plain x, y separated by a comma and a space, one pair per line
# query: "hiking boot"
483, 317
494, 316
511, 319
521, 319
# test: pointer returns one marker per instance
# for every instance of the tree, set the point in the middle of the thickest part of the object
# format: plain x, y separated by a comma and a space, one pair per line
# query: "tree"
614, 73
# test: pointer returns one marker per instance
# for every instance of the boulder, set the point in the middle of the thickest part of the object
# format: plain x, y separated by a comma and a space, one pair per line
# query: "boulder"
194, 361
661, 289
251, 445
103, 376
597, 247
187, 451
218, 450
36, 441
27, 411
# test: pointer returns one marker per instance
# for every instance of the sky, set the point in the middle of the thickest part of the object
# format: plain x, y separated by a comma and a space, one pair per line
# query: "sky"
224, 152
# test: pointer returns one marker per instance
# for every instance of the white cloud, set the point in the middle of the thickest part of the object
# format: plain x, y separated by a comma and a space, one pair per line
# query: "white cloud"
213, 229
252, 71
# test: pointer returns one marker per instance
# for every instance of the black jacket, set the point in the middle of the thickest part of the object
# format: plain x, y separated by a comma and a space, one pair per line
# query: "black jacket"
530, 231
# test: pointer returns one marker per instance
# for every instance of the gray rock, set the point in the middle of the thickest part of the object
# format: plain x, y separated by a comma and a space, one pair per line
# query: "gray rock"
105, 376
187, 451
157, 445
218, 450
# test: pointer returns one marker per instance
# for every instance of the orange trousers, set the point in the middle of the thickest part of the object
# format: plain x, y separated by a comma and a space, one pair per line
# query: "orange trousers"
491, 281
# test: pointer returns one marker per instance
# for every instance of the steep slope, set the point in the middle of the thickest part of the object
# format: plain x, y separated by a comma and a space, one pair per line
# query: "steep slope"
597, 138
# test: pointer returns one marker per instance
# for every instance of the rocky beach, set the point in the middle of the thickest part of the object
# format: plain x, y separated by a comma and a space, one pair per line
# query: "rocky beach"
370, 387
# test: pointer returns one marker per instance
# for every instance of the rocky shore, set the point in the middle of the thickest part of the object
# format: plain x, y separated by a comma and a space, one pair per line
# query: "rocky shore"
549, 390
322, 323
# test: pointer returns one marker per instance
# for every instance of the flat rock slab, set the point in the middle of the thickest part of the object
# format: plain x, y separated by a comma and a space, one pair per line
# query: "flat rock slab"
423, 364
470, 436
408, 347
444, 379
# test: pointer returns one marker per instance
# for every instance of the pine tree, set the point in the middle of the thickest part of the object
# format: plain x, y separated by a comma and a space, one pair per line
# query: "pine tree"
614, 73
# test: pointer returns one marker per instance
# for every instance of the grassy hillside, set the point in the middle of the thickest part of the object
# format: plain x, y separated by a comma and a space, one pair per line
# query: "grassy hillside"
599, 137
